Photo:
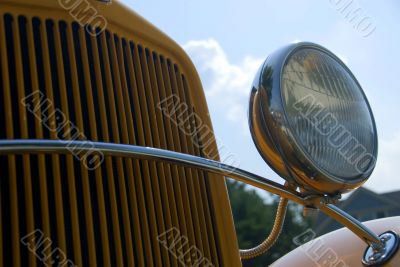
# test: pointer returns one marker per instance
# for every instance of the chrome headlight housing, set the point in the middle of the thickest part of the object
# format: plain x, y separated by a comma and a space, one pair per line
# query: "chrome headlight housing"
311, 120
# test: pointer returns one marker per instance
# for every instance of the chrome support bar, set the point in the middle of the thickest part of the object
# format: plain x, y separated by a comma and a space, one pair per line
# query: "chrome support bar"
36, 146
353, 225
147, 153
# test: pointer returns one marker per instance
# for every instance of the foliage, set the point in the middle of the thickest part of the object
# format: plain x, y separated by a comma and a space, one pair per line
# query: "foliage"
254, 217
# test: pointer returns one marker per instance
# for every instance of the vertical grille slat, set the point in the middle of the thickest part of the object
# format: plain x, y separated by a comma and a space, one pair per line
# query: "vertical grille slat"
48, 83
124, 139
194, 150
3, 177
201, 183
55, 45
148, 100
173, 142
34, 29
185, 174
196, 208
162, 143
66, 35
146, 208
179, 90
68, 195
79, 98
100, 96
174, 169
115, 134
1, 225
17, 28
188, 149
145, 139
11, 174
106, 88
164, 170
99, 200
130, 138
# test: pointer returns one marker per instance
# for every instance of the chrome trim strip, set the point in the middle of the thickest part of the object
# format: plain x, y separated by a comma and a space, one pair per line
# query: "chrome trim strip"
352, 224
36, 146
148, 153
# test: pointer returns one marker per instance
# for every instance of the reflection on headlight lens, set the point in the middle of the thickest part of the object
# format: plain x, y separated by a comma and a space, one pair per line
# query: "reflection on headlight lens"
328, 114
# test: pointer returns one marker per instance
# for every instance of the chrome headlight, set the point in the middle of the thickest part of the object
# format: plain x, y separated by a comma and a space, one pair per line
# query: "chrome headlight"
311, 121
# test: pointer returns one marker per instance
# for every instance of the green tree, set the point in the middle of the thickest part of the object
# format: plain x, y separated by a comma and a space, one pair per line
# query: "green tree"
254, 217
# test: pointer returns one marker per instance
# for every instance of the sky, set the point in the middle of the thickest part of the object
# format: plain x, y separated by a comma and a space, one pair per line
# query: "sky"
229, 40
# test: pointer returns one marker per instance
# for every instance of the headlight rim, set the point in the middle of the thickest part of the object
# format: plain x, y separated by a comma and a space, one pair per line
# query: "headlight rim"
302, 166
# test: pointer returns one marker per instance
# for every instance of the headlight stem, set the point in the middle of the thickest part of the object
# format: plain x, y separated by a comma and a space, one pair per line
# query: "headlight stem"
273, 235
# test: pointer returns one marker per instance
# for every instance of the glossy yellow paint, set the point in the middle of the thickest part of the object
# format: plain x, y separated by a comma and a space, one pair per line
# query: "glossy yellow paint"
189, 206
128, 211
340, 248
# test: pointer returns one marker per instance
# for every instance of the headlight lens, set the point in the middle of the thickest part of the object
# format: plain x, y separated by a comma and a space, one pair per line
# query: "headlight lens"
311, 121
327, 113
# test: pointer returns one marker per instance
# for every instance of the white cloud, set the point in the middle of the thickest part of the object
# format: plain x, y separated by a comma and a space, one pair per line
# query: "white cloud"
227, 85
343, 58
385, 177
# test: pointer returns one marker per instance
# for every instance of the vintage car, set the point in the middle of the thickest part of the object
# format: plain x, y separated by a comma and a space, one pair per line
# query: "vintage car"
108, 157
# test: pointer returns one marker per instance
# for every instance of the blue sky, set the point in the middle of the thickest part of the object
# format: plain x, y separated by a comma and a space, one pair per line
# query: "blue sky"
228, 40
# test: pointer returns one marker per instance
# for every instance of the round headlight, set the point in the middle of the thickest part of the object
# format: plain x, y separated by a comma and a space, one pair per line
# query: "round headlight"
311, 121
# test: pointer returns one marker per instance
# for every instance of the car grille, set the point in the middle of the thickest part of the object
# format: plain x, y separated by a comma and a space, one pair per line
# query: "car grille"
108, 87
